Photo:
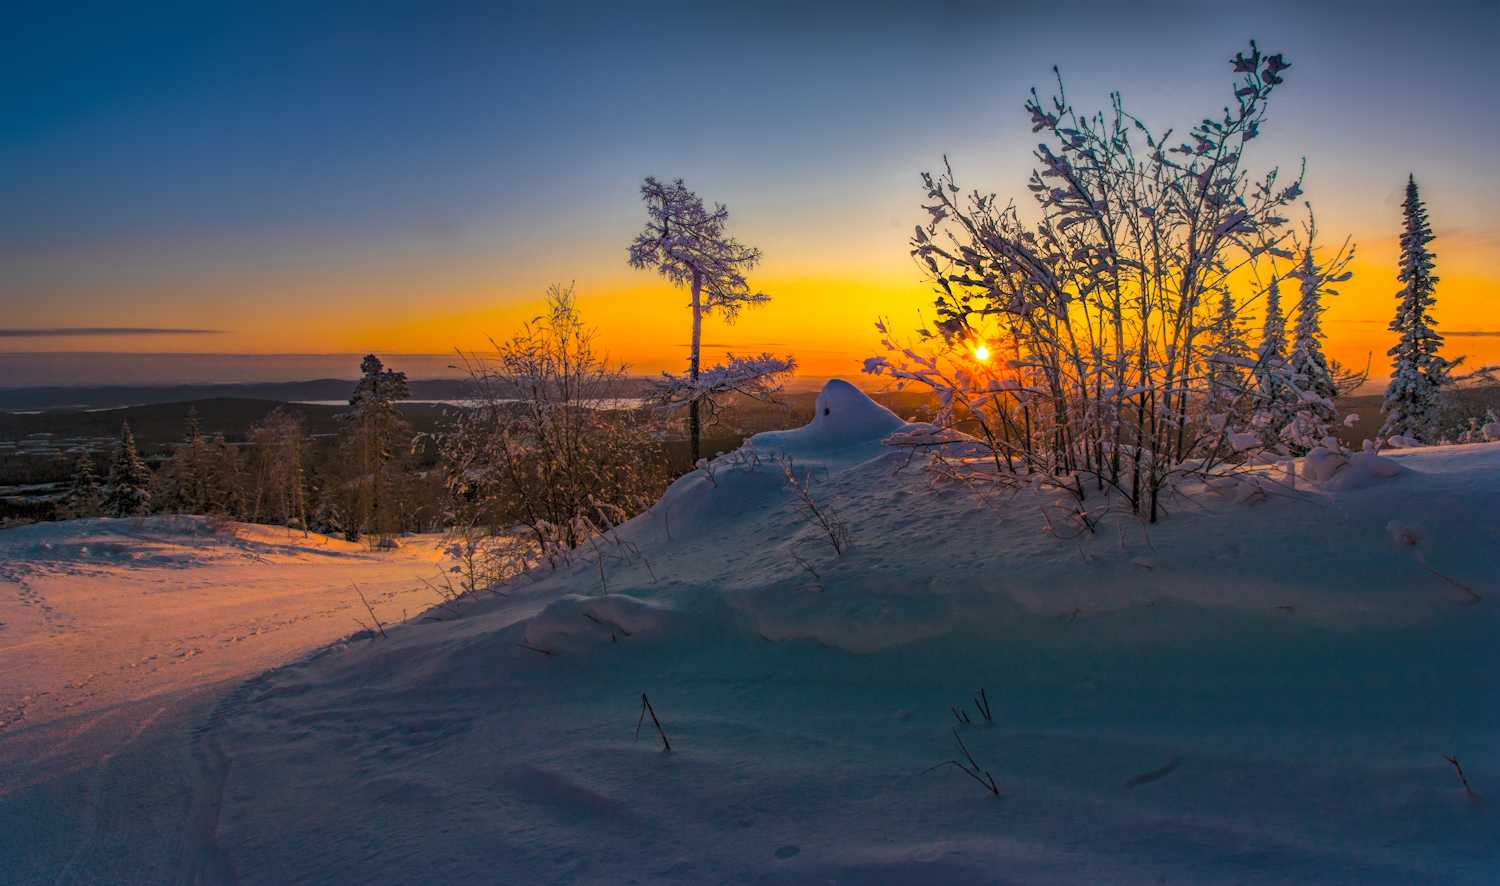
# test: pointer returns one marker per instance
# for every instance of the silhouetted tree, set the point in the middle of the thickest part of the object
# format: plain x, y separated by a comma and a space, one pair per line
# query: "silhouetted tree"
687, 244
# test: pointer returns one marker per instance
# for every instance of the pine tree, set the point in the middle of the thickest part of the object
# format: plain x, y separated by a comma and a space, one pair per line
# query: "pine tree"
187, 484
84, 491
1276, 398
687, 244
1310, 370
375, 432
1230, 354
126, 491
1414, 396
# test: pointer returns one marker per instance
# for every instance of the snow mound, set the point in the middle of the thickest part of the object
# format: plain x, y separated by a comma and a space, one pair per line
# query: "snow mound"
843, 417
574, 621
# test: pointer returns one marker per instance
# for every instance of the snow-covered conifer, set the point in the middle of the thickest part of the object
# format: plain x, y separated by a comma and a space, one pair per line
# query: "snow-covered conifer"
1277, 400
687, 244
84, 491
1414, 396
1230, 353
1309, 366
126, 491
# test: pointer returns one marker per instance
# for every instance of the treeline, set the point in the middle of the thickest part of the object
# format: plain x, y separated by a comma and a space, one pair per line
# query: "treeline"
375, 478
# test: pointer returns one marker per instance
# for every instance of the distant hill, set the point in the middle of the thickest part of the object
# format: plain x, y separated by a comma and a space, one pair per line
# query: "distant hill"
27, 399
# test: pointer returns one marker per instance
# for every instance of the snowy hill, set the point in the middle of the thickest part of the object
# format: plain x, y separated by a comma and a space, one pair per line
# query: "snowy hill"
1238, 694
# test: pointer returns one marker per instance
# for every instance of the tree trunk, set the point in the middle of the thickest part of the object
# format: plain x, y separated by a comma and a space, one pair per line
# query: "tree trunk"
693, 361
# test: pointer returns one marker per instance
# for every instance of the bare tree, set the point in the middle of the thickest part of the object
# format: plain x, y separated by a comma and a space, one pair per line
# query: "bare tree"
278, 448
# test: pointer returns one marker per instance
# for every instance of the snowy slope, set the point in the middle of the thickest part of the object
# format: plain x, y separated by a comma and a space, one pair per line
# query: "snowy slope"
105, 624
1237, 694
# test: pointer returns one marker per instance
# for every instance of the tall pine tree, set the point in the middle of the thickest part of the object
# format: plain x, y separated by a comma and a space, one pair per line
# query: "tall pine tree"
1309, 366
126, 492
1414, 396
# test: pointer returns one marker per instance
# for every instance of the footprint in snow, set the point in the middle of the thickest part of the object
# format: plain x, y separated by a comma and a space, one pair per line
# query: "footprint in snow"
788, 851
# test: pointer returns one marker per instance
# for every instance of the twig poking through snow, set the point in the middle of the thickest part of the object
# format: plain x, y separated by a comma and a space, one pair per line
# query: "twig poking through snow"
646, 706
972, 769
984, 706
1422, 562
1454, 761
378, 626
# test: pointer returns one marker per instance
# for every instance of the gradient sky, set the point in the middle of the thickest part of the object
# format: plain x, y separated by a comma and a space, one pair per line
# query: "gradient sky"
402, 178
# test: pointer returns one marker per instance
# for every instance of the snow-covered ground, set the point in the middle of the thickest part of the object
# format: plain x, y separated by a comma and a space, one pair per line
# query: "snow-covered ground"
104, 624
1238, 694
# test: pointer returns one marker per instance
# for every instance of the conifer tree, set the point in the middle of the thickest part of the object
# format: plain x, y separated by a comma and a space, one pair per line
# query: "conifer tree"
375, 432
1230, 353
1276, 398
84, 491
1309, 365
126, 492
687, 244
187, 484
1414, 395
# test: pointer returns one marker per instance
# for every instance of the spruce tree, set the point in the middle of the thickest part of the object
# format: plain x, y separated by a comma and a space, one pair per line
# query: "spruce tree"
1276, 398
1310, 371
1226, 374
84, 491
1413, 397
126, 492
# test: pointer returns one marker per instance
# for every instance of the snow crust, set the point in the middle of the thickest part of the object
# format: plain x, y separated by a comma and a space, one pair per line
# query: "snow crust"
1258, 689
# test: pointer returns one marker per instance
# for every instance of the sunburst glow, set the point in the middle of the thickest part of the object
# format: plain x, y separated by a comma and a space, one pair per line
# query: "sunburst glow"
981, 353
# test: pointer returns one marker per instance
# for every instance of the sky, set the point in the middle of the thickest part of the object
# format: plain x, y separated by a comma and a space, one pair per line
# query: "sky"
409, 178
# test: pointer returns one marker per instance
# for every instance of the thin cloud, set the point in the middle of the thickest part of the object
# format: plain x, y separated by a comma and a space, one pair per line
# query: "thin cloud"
1495, 332
103, 330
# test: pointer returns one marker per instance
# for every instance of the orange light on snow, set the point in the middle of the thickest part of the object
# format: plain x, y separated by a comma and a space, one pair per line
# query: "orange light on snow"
981, 353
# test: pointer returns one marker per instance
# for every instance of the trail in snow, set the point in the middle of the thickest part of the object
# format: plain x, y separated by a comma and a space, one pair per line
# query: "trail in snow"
117, 642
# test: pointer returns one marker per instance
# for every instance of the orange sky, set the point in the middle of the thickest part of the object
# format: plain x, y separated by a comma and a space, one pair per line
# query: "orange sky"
296, 182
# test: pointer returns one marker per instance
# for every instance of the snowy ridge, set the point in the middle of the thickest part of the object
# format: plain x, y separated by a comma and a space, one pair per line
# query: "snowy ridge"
1239, 694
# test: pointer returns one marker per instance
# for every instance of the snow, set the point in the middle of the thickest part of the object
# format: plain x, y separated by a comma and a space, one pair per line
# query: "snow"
1241, 693
106, 621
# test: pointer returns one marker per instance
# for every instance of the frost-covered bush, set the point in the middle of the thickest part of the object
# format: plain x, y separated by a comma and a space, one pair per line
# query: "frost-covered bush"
546, 442
1102, 347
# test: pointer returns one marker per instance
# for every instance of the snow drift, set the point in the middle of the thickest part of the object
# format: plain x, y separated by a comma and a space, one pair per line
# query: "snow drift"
1243, 693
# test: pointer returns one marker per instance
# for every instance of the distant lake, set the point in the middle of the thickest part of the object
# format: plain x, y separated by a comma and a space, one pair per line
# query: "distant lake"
622, 403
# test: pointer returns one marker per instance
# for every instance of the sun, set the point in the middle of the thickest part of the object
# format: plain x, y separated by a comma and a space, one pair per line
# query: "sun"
981, 353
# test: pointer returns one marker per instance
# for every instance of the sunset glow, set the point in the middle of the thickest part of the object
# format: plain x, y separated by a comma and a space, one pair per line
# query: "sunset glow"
381, 204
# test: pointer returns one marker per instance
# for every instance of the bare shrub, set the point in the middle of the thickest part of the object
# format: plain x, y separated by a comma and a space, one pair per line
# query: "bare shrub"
546, 442
823, 522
